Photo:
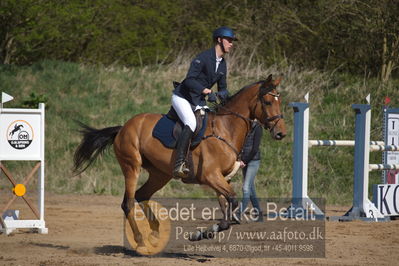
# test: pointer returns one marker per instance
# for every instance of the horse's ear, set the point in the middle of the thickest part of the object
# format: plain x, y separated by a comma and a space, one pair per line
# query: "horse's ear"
277, 81
269, 79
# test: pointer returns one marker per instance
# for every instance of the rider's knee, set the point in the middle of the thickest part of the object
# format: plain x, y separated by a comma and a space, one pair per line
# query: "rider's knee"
192, 124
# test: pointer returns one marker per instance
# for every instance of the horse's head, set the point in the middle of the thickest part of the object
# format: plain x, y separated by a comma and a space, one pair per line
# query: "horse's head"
259, 100
267, 108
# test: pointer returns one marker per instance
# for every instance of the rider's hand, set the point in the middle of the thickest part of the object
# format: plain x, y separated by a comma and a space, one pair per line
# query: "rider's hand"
211, 97
206, 91
242, 164
223, 94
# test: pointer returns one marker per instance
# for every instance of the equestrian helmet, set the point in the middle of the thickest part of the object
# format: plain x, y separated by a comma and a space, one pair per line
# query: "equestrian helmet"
224, 32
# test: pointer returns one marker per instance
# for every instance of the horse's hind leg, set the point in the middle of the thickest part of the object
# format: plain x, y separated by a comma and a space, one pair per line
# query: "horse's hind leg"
155, 182
131, 166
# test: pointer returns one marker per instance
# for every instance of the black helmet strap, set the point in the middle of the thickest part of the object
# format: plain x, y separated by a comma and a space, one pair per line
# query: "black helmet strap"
221, 44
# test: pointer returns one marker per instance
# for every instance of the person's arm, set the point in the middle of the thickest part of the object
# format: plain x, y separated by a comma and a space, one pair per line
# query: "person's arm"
191, 79
222, 84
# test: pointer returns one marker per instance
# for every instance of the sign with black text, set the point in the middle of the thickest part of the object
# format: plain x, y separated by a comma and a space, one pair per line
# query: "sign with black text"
391, 137
21, 134
386, 198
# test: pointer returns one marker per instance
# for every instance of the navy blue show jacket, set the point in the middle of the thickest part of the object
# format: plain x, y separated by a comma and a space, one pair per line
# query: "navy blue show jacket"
201, 75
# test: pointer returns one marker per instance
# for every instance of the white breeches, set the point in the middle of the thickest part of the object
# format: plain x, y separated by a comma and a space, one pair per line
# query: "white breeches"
184, 111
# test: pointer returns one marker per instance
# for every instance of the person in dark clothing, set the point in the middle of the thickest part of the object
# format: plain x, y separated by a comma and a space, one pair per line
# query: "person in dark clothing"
207, 69
250, 162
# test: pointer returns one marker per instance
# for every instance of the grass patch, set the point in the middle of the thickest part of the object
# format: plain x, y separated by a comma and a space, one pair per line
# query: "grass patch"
109, 96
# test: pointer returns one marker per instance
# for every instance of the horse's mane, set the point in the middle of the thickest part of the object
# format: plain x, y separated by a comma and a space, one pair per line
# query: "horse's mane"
215, 107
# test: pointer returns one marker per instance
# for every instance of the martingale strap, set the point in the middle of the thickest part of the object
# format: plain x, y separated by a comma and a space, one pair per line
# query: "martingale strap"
222, 139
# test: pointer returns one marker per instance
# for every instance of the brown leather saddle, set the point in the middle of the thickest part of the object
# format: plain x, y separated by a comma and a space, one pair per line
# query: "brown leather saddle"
200, 117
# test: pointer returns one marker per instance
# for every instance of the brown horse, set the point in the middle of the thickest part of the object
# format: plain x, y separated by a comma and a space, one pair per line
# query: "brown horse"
213, 158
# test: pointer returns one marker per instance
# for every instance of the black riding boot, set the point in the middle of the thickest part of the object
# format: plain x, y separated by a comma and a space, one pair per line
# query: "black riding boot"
183, 143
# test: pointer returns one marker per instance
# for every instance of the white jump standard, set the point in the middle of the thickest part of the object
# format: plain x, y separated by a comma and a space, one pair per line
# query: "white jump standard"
22, 139
300, 198
362, 206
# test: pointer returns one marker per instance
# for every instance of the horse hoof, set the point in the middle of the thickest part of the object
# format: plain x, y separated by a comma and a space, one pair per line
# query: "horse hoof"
195, 236
153, 238
209, 235
224, 225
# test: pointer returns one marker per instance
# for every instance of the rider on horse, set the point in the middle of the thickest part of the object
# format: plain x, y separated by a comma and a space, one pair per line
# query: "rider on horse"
207, 68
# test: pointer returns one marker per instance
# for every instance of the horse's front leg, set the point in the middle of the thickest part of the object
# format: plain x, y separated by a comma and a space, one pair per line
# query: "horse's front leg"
223, 202
230, 213
223, 189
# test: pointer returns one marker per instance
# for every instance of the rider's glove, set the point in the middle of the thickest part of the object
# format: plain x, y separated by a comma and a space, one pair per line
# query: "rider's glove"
211, 97
223, 94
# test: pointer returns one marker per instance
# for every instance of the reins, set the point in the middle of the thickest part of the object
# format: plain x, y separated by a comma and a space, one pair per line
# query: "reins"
248, 121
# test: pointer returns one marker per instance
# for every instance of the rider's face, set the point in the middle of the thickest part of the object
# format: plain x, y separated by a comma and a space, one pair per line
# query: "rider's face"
227, 43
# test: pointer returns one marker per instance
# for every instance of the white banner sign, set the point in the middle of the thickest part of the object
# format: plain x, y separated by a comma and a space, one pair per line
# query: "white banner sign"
386, 199
392, 138
21, 134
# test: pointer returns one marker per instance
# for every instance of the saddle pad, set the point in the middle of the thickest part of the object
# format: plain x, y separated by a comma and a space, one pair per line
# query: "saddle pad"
163, 131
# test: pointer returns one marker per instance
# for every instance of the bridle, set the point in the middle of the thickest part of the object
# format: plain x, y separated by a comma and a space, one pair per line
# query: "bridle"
268, 91
262, 92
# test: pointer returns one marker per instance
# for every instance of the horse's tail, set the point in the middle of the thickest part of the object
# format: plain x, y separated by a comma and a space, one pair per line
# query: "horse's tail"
94, 143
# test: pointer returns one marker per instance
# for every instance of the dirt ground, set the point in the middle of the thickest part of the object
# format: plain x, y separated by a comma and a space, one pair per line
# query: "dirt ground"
88, 230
